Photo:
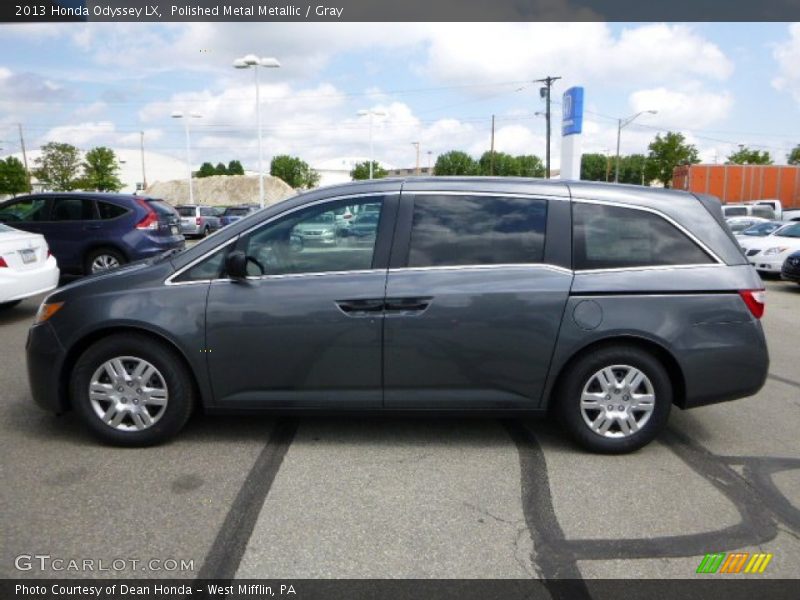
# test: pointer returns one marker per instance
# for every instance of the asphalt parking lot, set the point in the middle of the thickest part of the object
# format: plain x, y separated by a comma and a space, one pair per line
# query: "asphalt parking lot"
407, 498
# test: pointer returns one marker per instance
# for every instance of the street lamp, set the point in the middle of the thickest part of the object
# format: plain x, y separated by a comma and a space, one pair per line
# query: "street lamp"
371, 113
624, 123
253, 61
180, 115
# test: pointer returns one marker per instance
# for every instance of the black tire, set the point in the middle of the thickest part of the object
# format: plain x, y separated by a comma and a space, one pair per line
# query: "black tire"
580, 374
170, 366
97, 253
7, 305
206, 231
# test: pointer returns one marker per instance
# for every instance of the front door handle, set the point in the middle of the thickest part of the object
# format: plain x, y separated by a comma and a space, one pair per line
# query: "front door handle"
361, 307
408, 305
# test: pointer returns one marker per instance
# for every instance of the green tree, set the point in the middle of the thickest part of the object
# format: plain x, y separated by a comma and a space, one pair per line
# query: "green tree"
456, 162
220, 169
361, 171
666, 153
596, 167
100, 170
294, 171
748, 156
503, 165
632, 169
530, 165
13, 177
58, 166
793, 158
235, 168
206, 170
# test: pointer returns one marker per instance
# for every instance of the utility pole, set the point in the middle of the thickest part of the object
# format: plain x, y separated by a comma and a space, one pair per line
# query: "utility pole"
544, 92
24, 157
141, 145
491, 156
416, 144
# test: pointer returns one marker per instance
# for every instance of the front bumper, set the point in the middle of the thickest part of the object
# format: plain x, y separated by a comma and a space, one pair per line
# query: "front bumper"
790, 272
45, 358
767, 264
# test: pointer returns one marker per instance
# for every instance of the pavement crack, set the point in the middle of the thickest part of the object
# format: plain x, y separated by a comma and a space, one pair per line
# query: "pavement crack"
486, 513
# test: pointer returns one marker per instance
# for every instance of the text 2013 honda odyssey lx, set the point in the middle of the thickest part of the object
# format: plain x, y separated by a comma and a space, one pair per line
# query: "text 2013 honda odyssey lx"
604, 303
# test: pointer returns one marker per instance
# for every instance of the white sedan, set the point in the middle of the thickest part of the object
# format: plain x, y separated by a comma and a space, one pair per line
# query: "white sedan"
767, 254
26, 266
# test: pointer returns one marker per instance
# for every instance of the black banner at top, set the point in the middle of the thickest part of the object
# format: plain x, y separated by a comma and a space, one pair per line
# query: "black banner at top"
399, 10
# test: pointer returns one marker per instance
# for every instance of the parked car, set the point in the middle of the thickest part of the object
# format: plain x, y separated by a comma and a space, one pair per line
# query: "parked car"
748, 210
767, 254
319, 230
362, 228
606, 304
759, 230
197, 220
91, 232
234, 213
791, 267
739, 224
791, 214
26, 266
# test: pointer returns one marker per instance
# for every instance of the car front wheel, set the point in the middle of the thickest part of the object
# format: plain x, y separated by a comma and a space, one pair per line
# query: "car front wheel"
131, 390
615, 400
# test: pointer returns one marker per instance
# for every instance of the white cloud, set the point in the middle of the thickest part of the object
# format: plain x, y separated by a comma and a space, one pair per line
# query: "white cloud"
787, 55
583, 52
690, 108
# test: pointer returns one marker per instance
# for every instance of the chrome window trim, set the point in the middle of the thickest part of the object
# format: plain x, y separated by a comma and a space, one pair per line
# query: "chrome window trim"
526, 266
312, 274
664, 216
651, 268
169, 280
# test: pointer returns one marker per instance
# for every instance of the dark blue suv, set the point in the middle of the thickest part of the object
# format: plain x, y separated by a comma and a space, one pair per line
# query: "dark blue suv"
90, 232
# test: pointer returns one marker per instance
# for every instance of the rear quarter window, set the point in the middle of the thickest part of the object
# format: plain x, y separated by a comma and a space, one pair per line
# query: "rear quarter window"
110, 211
610, 237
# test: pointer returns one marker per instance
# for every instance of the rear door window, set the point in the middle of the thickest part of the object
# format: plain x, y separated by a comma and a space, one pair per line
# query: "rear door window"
72, 209
453, 230
611, 237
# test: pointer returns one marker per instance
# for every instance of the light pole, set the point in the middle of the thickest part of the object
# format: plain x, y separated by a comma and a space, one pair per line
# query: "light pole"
371, 113
624, 123
416, 145
429, 153
253, 61
186, 118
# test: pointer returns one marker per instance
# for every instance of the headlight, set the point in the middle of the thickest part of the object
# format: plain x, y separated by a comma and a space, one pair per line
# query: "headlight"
776, 250
47, 310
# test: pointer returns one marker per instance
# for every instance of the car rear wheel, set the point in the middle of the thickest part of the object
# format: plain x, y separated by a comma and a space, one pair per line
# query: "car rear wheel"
131, 390
103, 259
615, 400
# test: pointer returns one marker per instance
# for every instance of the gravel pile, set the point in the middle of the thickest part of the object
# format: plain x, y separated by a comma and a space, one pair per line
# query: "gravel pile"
221, 190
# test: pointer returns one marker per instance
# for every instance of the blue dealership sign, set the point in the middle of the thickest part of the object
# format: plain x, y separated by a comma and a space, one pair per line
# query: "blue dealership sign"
572, 119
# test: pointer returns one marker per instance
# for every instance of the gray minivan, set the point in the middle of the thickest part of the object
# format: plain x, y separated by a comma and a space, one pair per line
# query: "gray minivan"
605, 304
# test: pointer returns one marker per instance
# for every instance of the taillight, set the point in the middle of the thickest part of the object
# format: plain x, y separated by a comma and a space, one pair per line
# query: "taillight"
755, 301
197, 220
3, 262
150, 220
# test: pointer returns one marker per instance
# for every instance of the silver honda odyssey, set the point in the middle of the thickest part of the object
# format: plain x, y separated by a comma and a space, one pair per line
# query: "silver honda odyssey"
605, 304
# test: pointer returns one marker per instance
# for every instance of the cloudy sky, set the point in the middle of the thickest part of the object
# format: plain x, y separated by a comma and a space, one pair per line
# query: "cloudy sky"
102, 83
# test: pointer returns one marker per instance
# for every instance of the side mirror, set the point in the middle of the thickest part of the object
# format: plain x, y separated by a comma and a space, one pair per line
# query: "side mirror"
236, 265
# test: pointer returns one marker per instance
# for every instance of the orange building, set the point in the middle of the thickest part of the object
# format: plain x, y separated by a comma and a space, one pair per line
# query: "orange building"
741, 183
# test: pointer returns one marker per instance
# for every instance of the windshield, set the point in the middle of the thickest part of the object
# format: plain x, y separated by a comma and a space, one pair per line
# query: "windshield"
761, 229
792, 231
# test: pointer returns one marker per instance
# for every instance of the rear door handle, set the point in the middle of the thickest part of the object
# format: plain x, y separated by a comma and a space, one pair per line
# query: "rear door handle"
408, 305
361, 307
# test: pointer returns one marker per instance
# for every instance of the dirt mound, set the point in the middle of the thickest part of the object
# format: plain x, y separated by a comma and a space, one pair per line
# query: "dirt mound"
221, 190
